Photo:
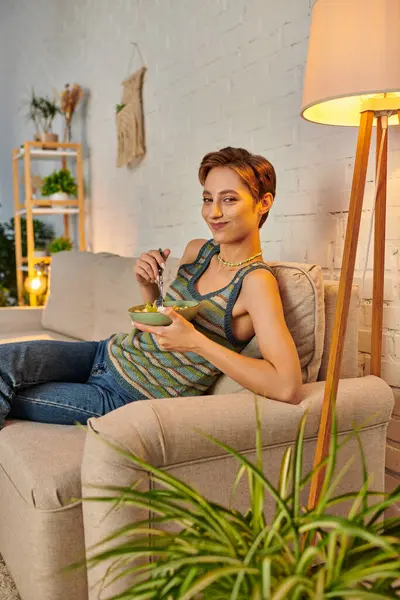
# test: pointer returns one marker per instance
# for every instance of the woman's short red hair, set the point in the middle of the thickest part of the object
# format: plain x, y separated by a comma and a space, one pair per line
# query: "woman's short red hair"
256, 171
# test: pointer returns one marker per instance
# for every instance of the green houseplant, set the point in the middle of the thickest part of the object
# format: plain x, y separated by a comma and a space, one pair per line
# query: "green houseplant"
42, 111
59, 244
213, 552
59, 185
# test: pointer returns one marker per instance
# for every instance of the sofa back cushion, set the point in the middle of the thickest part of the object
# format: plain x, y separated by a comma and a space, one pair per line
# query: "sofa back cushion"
70, 305
90, 294
349, 367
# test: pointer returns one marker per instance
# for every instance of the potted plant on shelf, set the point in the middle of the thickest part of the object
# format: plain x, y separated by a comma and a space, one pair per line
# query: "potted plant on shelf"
60, 244
42, 111
60, 185
201, 550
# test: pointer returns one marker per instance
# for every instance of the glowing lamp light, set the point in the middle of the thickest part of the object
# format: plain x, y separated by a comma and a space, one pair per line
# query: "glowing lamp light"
36, 285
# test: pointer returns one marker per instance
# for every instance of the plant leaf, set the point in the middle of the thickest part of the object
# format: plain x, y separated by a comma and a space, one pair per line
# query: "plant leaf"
212, 576
288, 585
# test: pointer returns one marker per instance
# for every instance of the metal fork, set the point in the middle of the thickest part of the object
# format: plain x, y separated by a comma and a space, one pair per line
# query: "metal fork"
160, 301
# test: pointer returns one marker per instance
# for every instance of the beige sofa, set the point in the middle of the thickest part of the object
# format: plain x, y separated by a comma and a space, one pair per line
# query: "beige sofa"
42, 466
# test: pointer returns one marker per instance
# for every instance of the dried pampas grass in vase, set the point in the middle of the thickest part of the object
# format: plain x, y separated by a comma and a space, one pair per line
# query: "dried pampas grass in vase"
70, 98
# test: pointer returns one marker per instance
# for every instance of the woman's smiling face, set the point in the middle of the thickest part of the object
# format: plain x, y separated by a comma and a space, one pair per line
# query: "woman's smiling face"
229, 208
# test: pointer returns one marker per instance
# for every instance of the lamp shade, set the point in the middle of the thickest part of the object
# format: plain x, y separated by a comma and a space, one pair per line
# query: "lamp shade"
353, 60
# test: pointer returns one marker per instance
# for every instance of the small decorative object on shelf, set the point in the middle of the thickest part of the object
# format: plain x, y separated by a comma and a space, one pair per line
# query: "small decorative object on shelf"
37, 284
60, 244
42, 111
60, 185
36, 183
70, 98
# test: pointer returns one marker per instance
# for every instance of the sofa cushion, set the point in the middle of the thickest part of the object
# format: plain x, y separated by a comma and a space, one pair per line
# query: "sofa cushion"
349, 366
43, 461
70, 306
302, 293
115, 291
41, 334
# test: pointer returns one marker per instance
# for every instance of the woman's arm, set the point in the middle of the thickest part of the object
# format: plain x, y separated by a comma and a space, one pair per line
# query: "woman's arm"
278, 374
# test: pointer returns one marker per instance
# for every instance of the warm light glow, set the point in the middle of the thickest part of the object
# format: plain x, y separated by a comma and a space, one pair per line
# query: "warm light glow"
347, 111
36, 285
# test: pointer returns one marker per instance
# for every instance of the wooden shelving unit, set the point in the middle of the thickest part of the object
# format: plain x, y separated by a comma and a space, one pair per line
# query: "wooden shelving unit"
43, 206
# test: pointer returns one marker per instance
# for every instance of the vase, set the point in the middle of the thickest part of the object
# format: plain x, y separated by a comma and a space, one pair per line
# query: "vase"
67, 131
59, 196
49, 137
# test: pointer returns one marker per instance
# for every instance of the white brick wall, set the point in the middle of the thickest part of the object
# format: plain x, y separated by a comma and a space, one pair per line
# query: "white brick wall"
219, 73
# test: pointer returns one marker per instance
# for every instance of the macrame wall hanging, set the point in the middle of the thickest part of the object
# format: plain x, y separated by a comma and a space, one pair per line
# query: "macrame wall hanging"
129, 117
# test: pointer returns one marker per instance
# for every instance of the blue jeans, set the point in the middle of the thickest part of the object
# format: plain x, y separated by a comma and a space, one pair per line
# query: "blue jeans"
58, 382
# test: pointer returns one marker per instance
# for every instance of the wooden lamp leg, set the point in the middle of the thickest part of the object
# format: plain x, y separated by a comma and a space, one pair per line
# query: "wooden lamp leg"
379, 252
343, 302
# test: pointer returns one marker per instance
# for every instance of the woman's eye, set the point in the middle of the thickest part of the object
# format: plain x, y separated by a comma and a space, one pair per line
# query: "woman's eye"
229, 199
207, 200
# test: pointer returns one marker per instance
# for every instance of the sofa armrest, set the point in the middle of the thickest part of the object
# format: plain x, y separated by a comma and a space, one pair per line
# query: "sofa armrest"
20, 319
362, 401
162, 432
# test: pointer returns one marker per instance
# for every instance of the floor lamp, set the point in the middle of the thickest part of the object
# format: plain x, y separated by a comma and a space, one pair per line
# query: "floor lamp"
352, 78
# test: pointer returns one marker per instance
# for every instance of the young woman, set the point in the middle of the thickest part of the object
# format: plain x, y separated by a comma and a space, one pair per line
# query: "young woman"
64, 382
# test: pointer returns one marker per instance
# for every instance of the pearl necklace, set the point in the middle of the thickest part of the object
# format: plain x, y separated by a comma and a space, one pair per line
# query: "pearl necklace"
231, 264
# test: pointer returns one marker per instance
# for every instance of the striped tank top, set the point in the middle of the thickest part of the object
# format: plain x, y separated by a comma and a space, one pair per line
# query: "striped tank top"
146, 370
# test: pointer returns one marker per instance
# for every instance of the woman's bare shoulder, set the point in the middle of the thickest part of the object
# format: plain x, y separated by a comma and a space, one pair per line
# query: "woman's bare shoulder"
191, 251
